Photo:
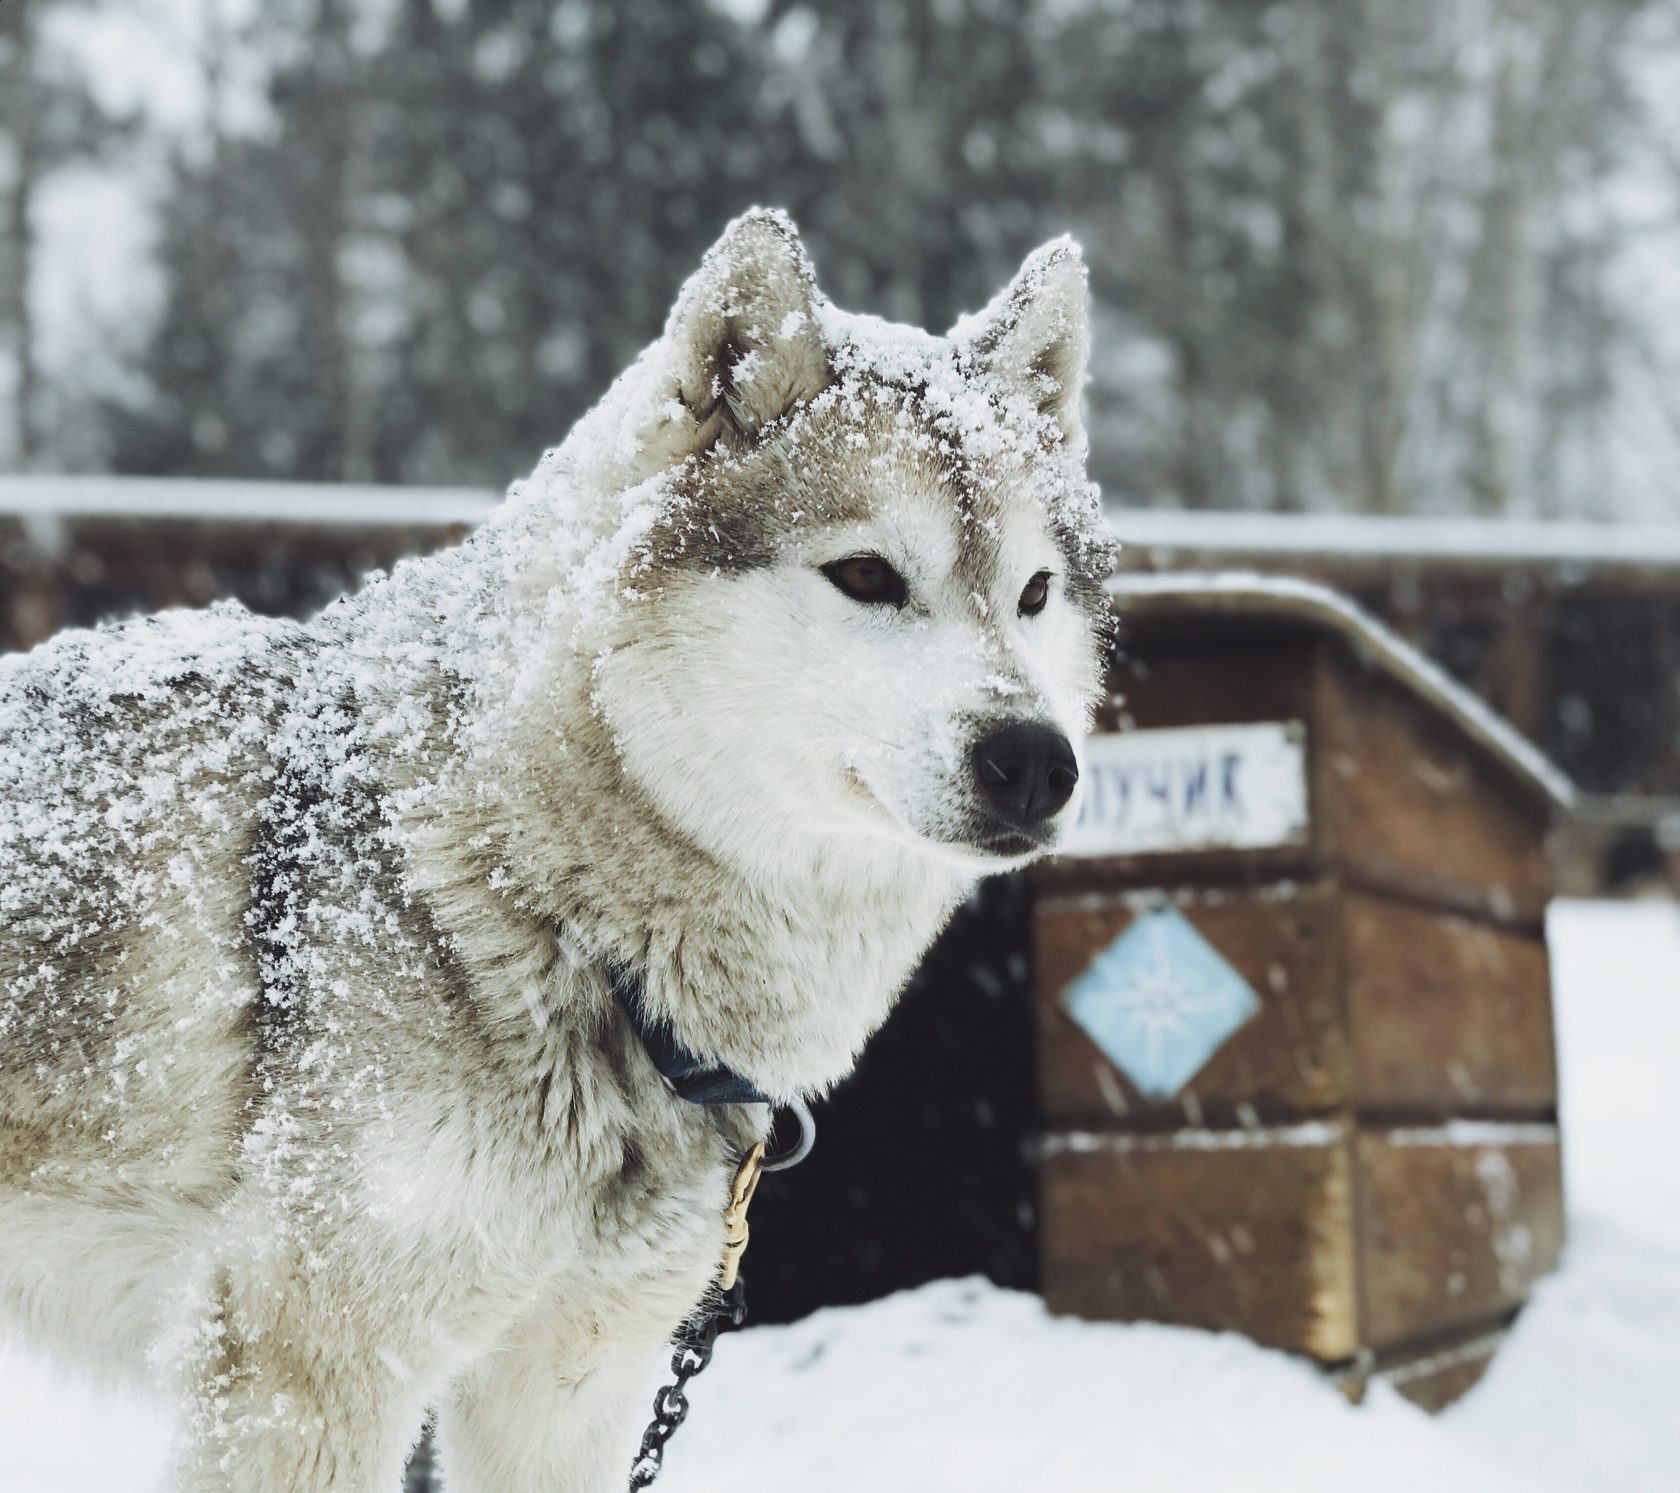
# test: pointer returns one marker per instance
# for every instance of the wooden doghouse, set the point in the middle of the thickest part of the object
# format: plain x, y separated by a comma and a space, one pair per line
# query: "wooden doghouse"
1296, 1057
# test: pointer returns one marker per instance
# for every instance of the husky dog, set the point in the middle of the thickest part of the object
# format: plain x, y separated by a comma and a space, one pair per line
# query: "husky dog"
313, 1095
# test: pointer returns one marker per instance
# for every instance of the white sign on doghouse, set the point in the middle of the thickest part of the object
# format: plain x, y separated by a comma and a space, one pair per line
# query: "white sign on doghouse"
1192, 788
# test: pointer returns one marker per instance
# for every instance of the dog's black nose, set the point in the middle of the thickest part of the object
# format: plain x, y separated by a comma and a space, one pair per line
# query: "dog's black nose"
1027, 773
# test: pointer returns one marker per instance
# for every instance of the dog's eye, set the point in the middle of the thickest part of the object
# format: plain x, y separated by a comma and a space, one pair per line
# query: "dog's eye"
869, 579
1034, 595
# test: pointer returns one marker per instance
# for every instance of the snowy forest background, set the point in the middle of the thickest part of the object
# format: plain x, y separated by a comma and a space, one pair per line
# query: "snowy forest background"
1347, 254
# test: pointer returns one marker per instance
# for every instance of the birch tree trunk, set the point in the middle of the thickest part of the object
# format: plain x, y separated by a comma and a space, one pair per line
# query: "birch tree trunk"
17, 88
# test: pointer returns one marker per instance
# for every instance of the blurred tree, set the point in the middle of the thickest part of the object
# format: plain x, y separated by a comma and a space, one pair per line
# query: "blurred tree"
48, 119
1587, 111
1345, 254
248, 369
913, 140
547, 174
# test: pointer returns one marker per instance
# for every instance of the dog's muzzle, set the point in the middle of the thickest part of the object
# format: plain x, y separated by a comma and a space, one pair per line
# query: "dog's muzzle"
1026, 774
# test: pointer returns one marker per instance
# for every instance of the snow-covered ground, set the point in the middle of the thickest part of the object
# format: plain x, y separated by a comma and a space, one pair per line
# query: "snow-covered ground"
962, 1386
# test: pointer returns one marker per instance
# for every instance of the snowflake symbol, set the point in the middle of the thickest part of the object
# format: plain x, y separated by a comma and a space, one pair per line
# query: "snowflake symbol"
1159, 1002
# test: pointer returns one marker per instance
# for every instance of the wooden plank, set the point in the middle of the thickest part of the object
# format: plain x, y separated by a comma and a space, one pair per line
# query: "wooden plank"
1455, 1223
1436, 1377
1445, 1015
1221, 679
1289, 1059
1405, 801
1216, 868
1246, 1231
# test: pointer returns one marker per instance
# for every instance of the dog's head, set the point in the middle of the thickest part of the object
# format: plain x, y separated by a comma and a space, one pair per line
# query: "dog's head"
863, 596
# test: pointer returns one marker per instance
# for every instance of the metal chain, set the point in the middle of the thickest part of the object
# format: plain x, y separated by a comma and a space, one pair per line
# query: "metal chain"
697, 1336
694, 1341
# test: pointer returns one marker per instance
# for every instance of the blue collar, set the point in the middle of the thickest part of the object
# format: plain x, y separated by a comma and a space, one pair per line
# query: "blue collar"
690, 1076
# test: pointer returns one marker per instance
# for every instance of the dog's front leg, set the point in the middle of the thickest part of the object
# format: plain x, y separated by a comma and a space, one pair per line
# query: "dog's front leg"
270, 1431
543, 1415
293, 1400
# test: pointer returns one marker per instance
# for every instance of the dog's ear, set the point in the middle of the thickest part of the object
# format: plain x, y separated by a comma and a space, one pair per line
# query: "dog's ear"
744, 334
1032, 336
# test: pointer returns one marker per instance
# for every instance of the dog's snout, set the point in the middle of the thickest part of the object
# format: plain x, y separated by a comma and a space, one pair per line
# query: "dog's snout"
1026, 771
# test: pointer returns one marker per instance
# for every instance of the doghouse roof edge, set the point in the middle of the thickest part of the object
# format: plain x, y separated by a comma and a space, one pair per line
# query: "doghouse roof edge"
1234, 594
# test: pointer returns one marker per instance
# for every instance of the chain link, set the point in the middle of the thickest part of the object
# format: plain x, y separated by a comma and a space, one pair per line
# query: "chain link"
694, 1342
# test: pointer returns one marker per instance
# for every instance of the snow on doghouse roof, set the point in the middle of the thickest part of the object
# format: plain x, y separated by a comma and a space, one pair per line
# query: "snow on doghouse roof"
1240, 594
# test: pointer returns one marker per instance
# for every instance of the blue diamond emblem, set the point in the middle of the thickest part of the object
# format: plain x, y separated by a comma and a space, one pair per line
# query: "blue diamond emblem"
1159, 1002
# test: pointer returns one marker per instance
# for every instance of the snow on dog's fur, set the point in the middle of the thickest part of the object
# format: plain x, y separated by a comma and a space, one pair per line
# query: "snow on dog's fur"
313, 1096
